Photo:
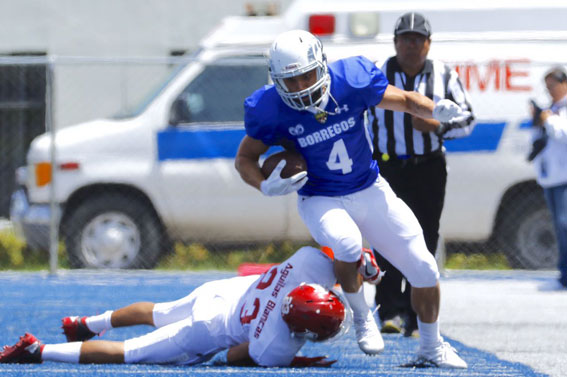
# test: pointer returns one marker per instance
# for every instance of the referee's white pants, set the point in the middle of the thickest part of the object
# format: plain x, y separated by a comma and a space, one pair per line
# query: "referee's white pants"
384, 220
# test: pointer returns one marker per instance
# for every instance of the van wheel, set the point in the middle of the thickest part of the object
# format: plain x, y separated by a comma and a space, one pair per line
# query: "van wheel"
112, 231
526, 233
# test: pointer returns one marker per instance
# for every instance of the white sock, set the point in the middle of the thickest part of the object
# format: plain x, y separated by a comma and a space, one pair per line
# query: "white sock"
358, 303
99, 323
429, 336
62, 352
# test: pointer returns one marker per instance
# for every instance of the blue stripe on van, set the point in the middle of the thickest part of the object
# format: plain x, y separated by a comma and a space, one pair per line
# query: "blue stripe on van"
179, 143
192, 143
485, 137
526, 124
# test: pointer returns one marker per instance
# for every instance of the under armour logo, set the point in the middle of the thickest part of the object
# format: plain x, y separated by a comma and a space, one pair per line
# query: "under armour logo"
297, 130
339, 110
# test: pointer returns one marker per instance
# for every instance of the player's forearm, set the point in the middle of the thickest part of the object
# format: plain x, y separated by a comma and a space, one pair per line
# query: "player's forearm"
246, 161
419, 105
425, 125
249, 171
238, 355
413, 103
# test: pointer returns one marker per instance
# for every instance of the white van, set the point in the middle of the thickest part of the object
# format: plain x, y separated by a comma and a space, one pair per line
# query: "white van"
128, 187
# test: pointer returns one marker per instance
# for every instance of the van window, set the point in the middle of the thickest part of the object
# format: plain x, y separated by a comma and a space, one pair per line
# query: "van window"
218, 93
152, 94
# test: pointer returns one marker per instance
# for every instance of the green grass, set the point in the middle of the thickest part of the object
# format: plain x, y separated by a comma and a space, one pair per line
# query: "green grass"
197, 257
15, 255
477, 261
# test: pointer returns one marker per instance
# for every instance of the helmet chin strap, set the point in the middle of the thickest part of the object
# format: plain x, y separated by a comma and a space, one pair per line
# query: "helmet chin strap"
317, 109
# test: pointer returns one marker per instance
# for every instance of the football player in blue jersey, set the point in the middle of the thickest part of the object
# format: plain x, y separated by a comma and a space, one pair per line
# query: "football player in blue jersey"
318, 110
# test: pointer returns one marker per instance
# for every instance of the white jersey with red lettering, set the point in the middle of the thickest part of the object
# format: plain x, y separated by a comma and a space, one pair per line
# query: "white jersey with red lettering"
271, 343
224, 313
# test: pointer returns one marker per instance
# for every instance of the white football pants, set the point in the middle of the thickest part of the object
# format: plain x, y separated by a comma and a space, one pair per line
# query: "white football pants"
192, 329
383, 219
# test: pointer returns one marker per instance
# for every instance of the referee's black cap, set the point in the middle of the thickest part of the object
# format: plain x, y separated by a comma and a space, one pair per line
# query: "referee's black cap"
412, 23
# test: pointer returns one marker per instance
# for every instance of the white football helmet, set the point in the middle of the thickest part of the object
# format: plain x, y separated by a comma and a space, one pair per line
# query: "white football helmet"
294, 53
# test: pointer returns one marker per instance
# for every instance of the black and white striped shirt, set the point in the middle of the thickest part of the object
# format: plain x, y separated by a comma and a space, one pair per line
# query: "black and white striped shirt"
392, 131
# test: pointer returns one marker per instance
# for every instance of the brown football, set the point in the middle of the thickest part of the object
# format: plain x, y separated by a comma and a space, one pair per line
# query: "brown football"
295, 163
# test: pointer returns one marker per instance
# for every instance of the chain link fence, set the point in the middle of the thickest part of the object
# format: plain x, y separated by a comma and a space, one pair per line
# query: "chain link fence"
142, 171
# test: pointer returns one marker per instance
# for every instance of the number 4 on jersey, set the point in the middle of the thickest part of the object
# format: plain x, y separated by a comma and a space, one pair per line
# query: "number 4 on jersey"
339, 159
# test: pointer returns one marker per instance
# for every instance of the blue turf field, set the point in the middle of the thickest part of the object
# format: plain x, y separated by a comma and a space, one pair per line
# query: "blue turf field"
35, 302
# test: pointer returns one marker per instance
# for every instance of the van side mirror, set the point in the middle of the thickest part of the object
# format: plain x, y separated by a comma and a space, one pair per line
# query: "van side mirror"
180, 112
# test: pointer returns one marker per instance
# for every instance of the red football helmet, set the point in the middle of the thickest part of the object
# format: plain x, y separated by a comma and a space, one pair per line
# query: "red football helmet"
313, 312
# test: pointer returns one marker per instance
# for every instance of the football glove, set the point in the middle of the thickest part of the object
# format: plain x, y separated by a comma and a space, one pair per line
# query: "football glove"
448, 111
368, 267
276, 185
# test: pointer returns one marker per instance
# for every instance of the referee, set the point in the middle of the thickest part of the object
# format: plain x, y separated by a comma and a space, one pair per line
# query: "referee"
411, 156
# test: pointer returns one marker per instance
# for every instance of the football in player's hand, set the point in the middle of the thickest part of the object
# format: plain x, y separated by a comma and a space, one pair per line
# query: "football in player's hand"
295, 163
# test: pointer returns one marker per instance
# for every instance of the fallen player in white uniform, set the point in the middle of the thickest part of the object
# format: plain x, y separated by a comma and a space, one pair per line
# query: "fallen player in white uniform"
262, 320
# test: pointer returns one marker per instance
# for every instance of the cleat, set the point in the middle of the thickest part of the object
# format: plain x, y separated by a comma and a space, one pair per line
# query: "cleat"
75, 329
442, 356
392, 326
367, 335
26, 351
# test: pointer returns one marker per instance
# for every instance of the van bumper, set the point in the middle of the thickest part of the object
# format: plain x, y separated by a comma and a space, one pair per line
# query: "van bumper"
30, 221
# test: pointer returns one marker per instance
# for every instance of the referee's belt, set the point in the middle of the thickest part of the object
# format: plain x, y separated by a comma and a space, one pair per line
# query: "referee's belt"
407, 159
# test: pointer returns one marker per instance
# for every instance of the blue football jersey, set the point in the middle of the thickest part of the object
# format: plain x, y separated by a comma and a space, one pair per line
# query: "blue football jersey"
337, 152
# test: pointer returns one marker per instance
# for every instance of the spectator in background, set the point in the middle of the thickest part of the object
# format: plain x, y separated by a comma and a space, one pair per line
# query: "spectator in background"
550, 158
411, 156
